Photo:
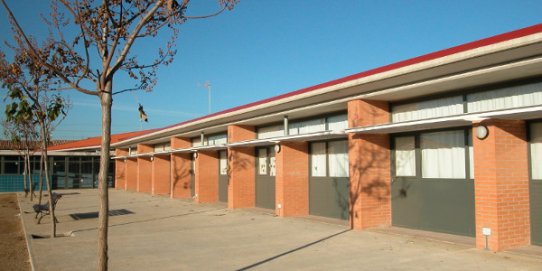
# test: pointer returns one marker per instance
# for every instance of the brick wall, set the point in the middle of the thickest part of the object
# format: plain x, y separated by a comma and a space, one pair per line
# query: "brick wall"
370, 169
120, 169
292, 180
144, 169
181, 169
207, 176
161, 174
131, 174
501, 184
242, 168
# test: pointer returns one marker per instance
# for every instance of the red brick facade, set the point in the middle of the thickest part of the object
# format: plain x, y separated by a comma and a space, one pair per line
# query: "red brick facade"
144, 169
181, 169
370, 170
501, 173
120, 169
242, 168
131, 174
161, 173
292, 179
207, 176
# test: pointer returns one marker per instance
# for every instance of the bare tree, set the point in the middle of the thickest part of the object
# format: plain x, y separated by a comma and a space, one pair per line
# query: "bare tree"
101, 48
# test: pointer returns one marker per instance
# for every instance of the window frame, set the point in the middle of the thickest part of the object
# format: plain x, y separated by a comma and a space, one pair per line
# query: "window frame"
467, 131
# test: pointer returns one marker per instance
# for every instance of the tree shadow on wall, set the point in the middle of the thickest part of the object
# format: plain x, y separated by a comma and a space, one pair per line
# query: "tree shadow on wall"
370, 180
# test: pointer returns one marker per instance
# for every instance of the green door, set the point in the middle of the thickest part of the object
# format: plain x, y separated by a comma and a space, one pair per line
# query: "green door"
265, 178
223, 176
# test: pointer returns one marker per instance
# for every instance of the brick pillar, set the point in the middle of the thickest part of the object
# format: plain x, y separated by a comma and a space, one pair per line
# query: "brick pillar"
181, 169
292, 180
120, 169
242, 168
161, 175
207, 176
131, 174
144, 169
501, 186
369, 162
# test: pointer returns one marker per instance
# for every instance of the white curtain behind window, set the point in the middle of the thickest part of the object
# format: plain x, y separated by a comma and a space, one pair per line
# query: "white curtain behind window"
536, 151
318, 159
338, 158
405, 156
223, 163
272, 170
262, 161
443, 155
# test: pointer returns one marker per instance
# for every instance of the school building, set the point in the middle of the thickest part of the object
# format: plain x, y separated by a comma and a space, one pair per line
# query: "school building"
446, 142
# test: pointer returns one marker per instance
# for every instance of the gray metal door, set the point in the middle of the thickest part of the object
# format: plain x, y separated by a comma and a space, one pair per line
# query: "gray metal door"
429, 203
223, 176
265, 178
193, 176
328, 196
535, 185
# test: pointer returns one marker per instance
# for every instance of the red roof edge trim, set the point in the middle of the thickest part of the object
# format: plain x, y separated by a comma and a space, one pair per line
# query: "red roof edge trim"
431, 56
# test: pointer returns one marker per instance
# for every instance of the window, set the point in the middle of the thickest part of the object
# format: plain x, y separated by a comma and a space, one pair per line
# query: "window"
262, 161
338, 158
405, 156
272, 169
536, 150
510, 97
271, 131
11, 165
318, 159
443, 154
223, 163
428, 109
329, 159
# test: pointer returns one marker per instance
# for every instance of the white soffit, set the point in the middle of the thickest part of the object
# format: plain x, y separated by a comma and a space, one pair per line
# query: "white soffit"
525, 113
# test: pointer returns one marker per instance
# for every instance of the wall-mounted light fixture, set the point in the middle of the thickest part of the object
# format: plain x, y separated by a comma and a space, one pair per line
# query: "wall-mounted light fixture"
277, 148
152, 158
195, 155
482, 132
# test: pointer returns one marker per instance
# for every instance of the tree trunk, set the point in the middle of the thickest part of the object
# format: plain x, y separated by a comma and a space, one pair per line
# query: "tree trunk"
103, 218
41, 179
24, 177
47, 180
29, 174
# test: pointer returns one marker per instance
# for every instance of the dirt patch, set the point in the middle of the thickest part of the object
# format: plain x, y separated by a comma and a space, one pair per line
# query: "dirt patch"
13, 252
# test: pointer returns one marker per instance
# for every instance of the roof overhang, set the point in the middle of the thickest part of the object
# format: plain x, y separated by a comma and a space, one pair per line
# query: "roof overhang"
525, 113
493, 60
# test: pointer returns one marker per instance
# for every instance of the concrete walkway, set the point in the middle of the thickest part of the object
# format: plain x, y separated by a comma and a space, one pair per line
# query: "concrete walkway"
157, 233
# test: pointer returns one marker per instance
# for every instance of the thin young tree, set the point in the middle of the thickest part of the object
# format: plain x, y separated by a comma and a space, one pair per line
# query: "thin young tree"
23, 135
28, 86
95, 41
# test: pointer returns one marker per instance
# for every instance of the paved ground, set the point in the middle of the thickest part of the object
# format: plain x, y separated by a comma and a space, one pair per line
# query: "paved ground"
165, 234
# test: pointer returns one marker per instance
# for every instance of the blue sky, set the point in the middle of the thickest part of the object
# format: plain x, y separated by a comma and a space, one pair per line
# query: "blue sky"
266, 48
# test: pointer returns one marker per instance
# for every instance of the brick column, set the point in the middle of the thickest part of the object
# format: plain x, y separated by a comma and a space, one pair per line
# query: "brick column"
369, 162
131, 174
292, 180
161, 175
501, 186
181, 169
120, 169
144, 169
242, 168
207, 176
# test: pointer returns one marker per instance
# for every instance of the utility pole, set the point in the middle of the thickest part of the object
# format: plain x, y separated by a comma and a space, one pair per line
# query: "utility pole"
207, 85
